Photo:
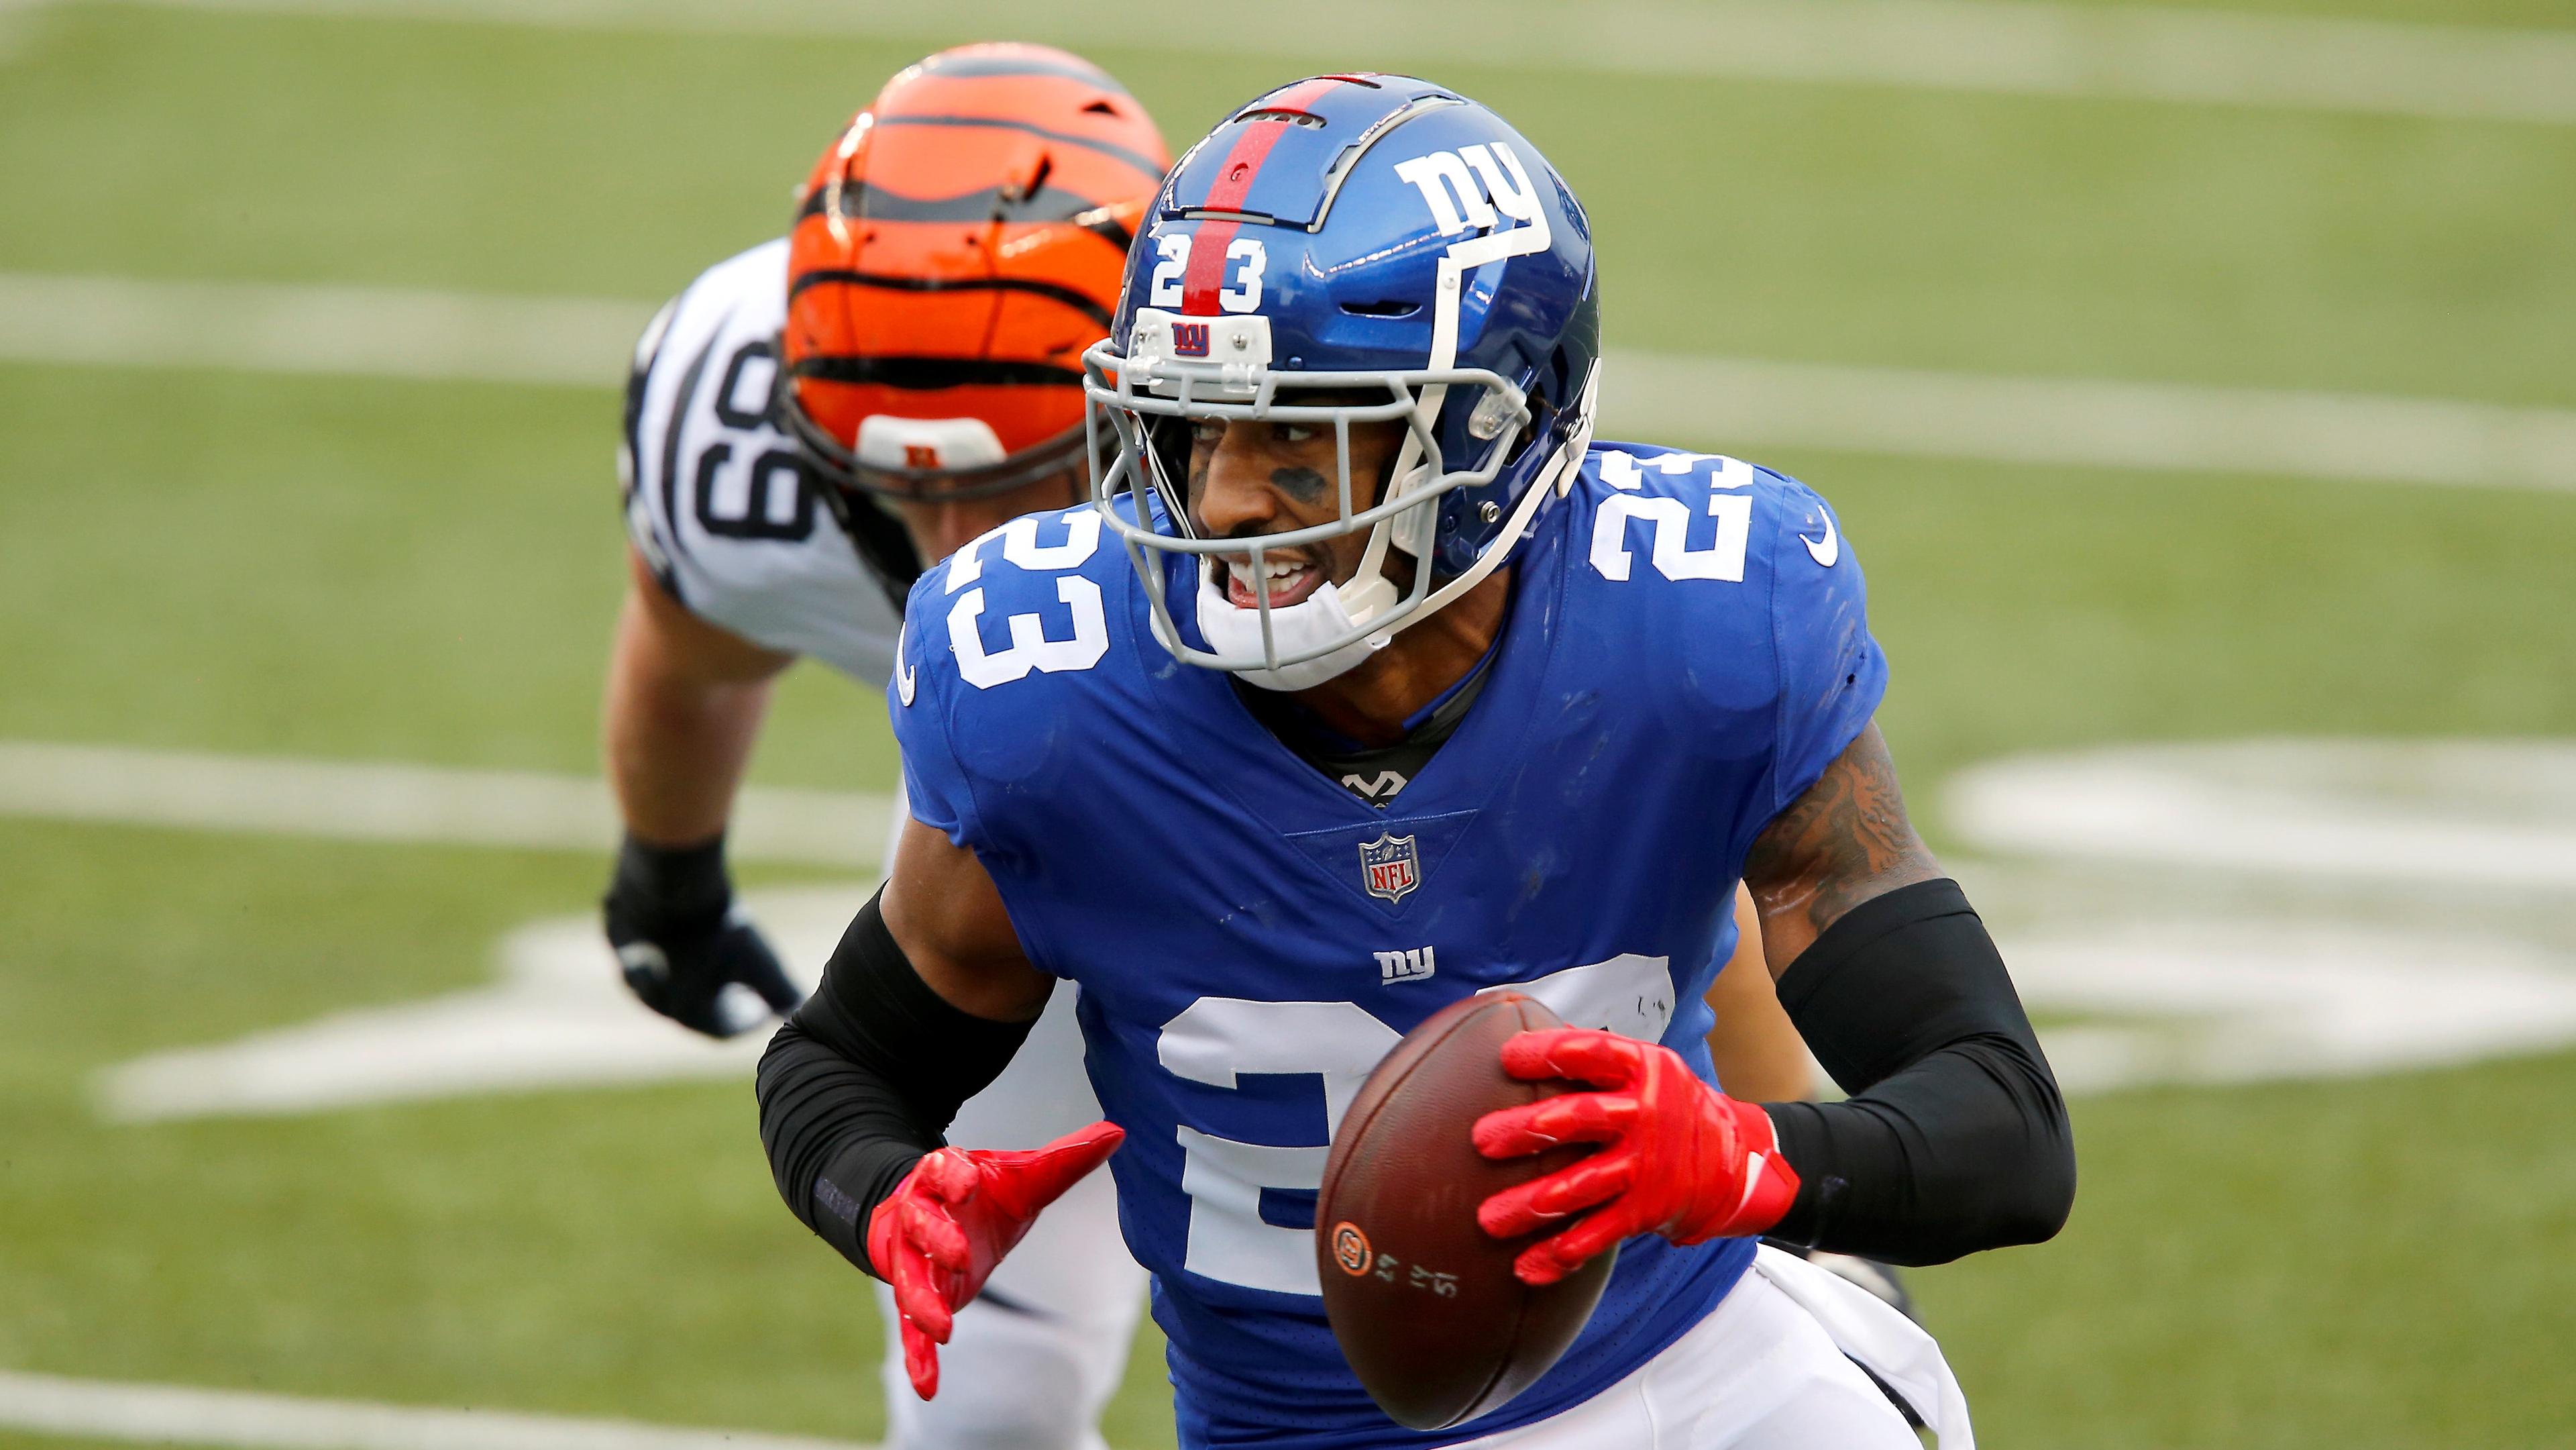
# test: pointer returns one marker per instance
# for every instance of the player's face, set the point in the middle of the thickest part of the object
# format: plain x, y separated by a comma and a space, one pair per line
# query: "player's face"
1248, 479
940, 527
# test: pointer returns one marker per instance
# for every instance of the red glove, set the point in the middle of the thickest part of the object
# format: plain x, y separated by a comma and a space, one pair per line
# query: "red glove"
1679, 1158
936, 1238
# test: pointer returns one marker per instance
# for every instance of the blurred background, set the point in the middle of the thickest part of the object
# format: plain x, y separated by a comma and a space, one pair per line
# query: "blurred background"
2197, 386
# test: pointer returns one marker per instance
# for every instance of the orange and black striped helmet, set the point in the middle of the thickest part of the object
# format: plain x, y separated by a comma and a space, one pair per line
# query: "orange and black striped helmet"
954, 252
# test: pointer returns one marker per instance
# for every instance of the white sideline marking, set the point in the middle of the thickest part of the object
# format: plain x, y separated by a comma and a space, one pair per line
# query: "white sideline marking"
558, 1017
2247, 1000
2260, 1000
1990, 46
2443, 831
2451, 813
1731, 402
2243, 995
377, 802
177, 1415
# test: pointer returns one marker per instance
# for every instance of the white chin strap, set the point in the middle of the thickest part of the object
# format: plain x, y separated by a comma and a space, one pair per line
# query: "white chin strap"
1309, 624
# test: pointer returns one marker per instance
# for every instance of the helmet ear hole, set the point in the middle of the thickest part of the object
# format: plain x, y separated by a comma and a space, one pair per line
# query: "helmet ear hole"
1540, 387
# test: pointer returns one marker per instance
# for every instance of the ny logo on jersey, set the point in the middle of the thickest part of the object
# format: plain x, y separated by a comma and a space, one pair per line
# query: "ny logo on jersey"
1389, 866
1190, 339
1404, 966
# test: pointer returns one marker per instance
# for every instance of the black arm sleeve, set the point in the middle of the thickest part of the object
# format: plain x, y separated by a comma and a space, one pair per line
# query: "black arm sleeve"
1955, 1138
863, 1079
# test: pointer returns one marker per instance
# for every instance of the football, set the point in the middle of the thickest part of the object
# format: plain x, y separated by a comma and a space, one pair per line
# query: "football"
1422, 1301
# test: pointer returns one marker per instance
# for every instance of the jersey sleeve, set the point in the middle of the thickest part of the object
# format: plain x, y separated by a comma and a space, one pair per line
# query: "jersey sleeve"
1830, 672
921, 695
998, 644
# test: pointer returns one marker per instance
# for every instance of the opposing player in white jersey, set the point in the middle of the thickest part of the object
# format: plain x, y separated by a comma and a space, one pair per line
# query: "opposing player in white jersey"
808, 425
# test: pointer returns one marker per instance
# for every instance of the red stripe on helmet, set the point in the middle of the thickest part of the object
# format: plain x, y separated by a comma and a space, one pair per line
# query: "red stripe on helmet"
1207, 265
1234, 180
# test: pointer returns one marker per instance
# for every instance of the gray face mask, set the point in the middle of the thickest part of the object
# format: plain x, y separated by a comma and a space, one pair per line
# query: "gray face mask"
1327, 634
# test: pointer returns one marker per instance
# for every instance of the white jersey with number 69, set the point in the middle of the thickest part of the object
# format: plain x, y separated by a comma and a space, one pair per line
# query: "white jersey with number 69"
733, 527
716, 499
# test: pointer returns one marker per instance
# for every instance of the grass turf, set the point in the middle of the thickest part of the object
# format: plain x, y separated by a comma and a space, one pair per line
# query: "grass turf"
366, 569
2320, 1264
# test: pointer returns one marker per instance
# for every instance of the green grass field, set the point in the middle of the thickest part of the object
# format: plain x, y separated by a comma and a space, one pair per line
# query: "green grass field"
366, 569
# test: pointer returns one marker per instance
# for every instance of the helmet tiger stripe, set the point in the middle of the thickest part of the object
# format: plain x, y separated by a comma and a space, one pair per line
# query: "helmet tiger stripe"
954, 251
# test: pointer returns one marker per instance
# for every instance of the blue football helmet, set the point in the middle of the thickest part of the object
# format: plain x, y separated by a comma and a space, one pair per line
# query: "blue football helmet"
1401, 249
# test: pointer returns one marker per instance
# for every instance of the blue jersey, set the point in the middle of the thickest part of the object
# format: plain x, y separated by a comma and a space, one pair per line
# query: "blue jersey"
1685, 652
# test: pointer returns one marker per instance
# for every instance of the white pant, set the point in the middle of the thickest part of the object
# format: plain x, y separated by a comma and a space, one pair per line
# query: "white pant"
1761, 1373
1030, 1365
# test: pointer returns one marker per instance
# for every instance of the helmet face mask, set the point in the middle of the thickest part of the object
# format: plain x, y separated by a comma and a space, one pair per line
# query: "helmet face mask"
1395, 581
1348, 250
838, 466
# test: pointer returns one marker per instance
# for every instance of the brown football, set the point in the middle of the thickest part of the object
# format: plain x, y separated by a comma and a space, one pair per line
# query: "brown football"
1422, 1301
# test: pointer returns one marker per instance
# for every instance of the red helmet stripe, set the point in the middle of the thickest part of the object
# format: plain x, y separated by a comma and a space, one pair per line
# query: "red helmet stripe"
1207, 266
1234, 180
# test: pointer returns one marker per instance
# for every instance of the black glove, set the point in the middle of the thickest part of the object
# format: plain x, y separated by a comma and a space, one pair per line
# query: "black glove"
671, 916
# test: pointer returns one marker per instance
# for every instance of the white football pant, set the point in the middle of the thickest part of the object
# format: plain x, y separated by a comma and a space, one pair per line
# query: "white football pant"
1764, 1373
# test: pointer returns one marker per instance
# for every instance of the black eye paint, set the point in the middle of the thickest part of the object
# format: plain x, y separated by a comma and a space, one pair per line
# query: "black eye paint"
1304, 485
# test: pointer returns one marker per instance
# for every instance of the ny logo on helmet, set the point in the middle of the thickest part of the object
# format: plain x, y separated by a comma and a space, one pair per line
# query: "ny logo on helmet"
1190, 339
1465, 187
1389, 867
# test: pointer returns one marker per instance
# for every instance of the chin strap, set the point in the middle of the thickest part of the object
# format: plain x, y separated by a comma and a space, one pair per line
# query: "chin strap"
1314, 622
1557, 478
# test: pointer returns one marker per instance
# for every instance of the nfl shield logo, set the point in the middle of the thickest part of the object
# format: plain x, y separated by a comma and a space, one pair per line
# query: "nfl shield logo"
1389, 867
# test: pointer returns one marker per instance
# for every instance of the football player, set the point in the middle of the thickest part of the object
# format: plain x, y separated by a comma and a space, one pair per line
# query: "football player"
805, 426
1357, 519
953, 251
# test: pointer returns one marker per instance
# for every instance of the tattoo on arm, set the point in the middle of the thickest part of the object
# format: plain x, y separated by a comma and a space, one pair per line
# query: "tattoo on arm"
1846, 840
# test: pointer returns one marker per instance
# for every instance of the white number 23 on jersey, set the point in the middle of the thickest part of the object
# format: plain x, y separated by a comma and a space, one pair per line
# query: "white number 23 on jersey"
1216, 1039
1030, 647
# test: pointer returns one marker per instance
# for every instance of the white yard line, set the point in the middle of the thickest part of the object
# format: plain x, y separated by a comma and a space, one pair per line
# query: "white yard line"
13, 26
1733, 403
176, 1415
2446, 815
346, 800
1991, 46
2087, 422
347, 331
554, 1016
2190, 983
